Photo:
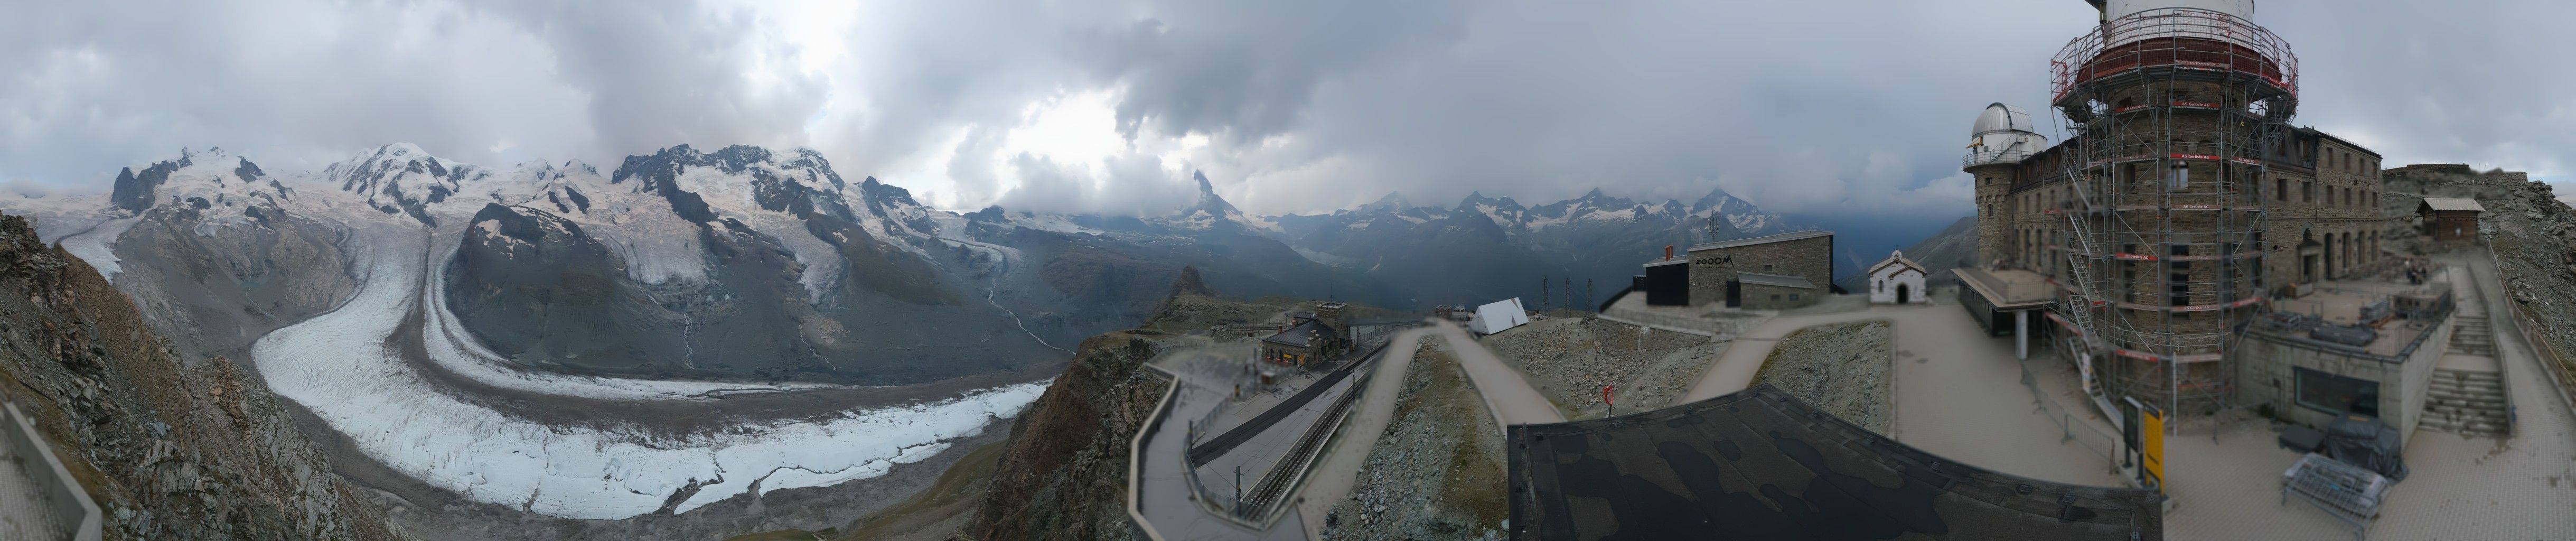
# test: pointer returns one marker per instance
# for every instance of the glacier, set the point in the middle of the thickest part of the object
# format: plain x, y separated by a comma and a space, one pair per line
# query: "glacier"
343, 366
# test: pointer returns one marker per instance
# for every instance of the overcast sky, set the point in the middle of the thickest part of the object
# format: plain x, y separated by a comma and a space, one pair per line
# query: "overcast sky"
1107, 106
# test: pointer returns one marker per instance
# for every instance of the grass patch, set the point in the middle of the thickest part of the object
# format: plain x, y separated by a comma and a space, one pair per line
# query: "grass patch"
951, 495
781, 535
1474, 489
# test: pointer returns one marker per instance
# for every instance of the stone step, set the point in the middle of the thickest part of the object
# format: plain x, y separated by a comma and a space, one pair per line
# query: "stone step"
2487, 384
2464, 427
2458, 409
2490, 393
2466, 383
2472, 428
2463, 395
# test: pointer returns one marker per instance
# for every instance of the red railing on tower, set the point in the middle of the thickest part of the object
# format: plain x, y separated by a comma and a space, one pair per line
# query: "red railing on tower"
2175, 37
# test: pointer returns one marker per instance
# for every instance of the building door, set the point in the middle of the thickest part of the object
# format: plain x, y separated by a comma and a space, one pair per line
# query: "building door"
1734, 294
1902, 290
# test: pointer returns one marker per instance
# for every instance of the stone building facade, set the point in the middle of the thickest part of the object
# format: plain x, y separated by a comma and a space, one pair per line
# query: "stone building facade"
2182, 200
1807, 255
2320, 195
1761, 291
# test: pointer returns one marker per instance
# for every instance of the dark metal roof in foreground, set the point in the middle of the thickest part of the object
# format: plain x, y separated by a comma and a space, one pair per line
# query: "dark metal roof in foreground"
1760, 464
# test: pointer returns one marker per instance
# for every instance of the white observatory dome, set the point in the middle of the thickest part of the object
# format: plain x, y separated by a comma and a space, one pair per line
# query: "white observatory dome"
2000, 117
2003, 135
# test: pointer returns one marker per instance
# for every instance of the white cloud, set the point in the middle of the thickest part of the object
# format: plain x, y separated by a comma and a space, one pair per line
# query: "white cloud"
1106, 105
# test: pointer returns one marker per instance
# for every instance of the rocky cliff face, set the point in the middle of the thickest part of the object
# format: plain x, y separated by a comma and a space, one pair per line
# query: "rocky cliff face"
1064, 473
538, 289
168, 451
214, 294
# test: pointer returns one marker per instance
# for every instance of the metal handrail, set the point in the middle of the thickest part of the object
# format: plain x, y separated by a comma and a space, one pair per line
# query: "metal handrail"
1992, 156
2079, 61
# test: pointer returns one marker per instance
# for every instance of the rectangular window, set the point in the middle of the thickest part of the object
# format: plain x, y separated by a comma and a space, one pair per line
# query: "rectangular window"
1775, 296
2281, 189
2337, 394
1793, 296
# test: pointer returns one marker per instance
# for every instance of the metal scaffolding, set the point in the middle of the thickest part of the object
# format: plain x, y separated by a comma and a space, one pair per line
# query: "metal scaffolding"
2169, 114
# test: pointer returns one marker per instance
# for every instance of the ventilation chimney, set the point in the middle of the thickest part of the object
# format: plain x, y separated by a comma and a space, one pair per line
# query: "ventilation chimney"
1668, 252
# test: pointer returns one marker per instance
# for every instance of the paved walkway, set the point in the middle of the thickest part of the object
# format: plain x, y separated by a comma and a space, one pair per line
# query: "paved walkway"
1339, 471
1163, 495
1959, 393
1162, 490
27, 509
1261, 451
1509, 396
2459, 487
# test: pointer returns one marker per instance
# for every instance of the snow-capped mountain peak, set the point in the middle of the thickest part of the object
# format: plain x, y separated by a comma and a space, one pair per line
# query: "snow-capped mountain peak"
1213, 211
401, 178
208, 179
1743, 215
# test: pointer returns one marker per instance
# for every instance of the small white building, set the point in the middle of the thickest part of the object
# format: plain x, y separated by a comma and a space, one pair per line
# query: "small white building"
1897, 281
1498, 316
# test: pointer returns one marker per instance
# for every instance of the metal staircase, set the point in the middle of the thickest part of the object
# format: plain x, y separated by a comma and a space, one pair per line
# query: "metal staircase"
2083, 296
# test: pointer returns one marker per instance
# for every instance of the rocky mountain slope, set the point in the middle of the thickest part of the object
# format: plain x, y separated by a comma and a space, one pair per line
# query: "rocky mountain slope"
1064, 473
2531, 230
735, 263
169, 450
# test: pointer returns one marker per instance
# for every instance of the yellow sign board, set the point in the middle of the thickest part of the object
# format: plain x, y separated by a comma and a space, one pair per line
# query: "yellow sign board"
2151, 446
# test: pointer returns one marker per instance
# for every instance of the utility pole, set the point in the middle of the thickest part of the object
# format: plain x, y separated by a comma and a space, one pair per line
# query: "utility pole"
1587, 293
1542, 294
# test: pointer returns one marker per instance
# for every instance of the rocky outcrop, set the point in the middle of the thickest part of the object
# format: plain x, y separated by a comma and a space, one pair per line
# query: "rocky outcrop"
540, 290
134, 191
168, 451
1064, 473
211, 295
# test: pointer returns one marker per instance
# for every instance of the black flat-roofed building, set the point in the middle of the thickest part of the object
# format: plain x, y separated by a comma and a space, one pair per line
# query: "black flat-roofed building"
1668, 282
1760, 464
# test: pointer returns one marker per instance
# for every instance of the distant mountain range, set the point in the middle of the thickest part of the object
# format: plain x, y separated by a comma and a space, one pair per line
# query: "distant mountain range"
757, 263
1486, 248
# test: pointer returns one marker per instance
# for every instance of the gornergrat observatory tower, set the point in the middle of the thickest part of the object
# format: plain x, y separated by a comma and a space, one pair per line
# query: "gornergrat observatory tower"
2168, 106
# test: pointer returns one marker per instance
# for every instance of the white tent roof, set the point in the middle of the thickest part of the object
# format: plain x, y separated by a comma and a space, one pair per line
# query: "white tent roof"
1499, 315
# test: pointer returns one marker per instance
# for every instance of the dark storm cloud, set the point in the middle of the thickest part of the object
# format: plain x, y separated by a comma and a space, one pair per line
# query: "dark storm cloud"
1287, 106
